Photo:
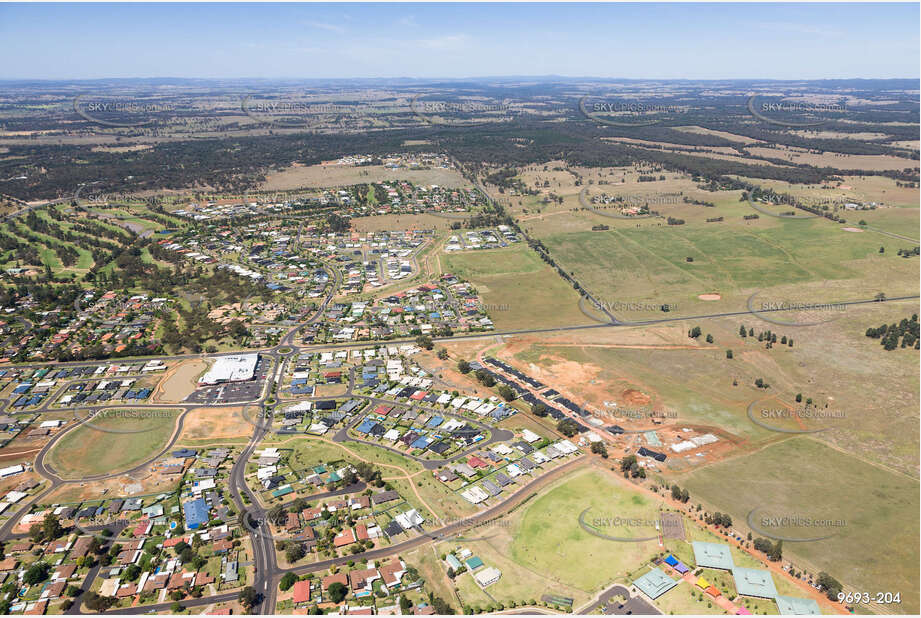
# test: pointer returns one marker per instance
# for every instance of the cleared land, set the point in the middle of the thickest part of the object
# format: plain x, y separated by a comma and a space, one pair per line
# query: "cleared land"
873, 393
834, 159
180, 381
332, 175
217, 423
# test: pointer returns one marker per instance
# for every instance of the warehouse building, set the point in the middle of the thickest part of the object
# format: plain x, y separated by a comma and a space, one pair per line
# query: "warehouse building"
236, 368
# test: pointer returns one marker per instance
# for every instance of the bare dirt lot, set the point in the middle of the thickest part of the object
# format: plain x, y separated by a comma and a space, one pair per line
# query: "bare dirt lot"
180, 381
120, 486
216, 423
363, 225
12, 482
834, 159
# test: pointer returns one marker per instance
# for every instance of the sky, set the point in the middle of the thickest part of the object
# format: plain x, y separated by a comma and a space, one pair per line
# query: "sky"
652, 41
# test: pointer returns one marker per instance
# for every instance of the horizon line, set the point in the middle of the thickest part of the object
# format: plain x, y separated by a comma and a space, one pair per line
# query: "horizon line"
546, 77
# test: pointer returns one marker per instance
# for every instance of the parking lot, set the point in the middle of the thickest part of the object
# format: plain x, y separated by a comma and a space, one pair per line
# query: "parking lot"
233, 392
618, 601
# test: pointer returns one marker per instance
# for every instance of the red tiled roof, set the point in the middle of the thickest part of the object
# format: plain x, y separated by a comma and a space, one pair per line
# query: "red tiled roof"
388, 572
156, 582
329, 580
38, 609
360, 577
310, 514
9, 564
176, 581
346, 537
222, 545
302, 591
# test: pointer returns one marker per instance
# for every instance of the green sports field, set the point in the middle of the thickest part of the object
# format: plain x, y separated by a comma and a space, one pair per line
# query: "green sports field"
108, 444
550, 539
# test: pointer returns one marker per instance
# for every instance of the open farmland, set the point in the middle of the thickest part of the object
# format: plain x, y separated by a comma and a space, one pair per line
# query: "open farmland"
678, 264
802, 476
522, 290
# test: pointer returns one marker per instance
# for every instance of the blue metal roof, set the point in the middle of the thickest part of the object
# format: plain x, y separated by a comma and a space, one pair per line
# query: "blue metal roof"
196, 513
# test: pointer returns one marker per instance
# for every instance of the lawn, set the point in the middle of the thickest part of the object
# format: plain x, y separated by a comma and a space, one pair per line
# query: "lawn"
684, 599
801, 476
95, 447
470, 593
